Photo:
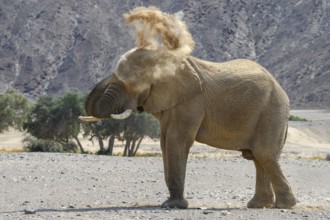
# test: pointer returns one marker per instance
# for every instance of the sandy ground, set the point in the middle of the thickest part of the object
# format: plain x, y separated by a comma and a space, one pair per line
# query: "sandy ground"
218, 184
76, 186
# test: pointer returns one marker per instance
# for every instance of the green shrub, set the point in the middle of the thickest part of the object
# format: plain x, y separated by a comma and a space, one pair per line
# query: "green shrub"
296, 118
327, 157
40, 145
102, 152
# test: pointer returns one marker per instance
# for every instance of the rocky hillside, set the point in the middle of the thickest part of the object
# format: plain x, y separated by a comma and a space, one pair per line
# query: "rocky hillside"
62, 45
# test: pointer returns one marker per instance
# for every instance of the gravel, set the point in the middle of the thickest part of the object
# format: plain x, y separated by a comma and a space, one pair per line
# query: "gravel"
76, 186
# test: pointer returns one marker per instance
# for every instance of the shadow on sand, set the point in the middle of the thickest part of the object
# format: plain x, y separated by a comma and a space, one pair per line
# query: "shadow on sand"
129, 208
120, 208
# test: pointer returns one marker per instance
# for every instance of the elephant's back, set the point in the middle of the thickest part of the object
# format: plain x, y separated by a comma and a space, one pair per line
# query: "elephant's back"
238, 81
237, 68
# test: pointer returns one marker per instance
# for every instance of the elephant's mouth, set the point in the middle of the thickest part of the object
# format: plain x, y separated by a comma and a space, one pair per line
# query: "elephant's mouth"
140, 109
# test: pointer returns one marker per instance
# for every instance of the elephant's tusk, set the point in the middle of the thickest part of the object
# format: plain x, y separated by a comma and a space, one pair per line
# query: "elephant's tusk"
123, 115
89, 118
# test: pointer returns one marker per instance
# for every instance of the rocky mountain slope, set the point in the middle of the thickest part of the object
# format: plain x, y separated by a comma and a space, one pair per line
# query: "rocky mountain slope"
63, 45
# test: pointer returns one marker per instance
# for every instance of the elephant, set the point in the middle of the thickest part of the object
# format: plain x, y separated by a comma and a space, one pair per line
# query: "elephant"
233, 105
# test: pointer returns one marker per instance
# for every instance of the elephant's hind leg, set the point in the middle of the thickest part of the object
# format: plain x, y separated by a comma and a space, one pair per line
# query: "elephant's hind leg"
266, 149
282, 189
268, 162
264, 195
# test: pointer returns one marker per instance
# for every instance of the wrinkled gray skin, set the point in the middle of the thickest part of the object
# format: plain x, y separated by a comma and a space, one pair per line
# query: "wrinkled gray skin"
236, 105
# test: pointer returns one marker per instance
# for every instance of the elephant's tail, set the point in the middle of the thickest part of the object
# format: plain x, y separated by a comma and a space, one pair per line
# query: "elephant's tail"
286, 134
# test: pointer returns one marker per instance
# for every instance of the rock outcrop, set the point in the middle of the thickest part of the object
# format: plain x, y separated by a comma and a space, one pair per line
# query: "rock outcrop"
52, 47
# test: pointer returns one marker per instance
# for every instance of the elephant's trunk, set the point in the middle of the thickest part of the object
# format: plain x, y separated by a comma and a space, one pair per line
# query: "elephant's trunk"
108, 97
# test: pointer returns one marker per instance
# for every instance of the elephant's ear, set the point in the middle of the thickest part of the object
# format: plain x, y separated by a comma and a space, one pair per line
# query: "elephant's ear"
169, 91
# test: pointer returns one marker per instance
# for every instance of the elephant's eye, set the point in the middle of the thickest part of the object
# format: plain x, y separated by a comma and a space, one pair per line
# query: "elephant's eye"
140, 109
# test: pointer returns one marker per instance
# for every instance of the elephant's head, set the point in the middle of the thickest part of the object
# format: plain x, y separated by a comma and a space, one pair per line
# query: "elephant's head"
154, 76
143, 81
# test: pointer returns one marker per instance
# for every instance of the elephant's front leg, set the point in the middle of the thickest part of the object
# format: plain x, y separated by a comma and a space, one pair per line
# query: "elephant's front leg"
175, 154
179, 128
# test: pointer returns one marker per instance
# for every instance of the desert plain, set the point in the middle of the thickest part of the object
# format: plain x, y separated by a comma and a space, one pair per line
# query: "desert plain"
219, 183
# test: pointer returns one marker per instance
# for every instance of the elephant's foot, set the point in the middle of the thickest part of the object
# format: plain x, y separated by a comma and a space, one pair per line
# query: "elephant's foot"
175, 203
285, 202
259, 203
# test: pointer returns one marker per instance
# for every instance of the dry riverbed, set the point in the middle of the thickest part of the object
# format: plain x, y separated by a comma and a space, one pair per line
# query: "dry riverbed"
75, 186
218, 183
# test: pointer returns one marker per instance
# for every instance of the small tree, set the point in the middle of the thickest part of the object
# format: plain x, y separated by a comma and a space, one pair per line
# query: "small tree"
139, 126
107, 128
14, 110
132, 131
67, 110
40, 122
56, 120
